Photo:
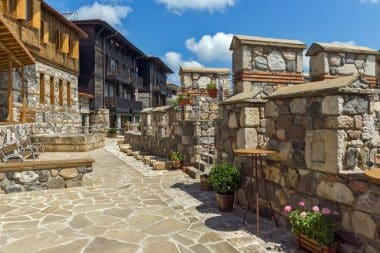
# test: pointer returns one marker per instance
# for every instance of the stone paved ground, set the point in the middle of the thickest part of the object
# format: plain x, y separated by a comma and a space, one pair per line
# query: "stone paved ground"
130, 208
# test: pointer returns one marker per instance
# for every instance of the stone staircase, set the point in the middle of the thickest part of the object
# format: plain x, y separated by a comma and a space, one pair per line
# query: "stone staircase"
203, 165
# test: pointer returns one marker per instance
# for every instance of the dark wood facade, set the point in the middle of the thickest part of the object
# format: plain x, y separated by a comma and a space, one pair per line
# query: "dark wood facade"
109, 70
155, 73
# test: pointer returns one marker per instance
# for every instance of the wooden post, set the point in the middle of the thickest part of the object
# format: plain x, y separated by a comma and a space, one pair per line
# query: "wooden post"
10, 90
24, 105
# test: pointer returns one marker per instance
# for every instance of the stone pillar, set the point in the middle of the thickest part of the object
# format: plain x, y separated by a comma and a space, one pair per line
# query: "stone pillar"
118, 121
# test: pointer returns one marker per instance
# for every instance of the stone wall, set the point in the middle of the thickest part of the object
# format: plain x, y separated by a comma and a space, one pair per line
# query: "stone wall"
38, 179
100, 119
330, 61
165, 129
70, 143
264, 64
324, 133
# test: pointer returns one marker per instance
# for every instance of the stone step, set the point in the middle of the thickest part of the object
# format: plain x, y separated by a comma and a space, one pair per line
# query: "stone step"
147, 159
202, 166
192, 171
207, 157
162, 164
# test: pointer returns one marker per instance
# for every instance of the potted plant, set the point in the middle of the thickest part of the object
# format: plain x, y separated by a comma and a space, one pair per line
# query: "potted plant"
225, 180
184, 99
112, 133
205, 184
315, 228
176, 158
212, 90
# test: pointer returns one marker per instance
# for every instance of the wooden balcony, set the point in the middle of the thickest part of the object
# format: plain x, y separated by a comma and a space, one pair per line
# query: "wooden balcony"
118, 104
136, 106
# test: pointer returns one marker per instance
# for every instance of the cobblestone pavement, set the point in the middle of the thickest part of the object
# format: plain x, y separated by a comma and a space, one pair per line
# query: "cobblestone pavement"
130, 208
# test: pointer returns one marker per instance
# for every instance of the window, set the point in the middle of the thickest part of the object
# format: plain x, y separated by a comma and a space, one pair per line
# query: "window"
60, 90
12, 7
52, 91
42, 88
28, 10
68, 93
57, 40
106, 94
113, 66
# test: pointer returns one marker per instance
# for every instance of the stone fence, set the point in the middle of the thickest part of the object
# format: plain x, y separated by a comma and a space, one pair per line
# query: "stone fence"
325, 133
44, 175
189, 131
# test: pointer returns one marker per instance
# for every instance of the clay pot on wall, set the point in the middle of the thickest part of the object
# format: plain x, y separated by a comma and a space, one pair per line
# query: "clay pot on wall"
213, 93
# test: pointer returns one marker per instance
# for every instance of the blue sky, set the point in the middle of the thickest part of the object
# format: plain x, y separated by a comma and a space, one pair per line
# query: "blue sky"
198, 32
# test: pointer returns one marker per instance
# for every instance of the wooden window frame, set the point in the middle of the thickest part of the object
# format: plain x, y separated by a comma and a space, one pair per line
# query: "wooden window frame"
42, 88
60, 90
68, 94
52, 91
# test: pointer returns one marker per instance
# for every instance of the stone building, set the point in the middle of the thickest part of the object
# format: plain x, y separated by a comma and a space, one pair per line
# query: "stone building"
109, 72
195, 79
331, 60
40, 84
154, 72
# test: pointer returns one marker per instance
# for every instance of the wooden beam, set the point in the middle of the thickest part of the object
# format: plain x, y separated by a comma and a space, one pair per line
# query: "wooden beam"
5, 48
23, 92
10, 90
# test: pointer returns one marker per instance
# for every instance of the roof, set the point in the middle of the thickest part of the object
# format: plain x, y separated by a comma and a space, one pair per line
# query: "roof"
318, 47
243, 97
112, 30
146, 110
172, 86
161, 108
239, 40
327, 86
11, 44
184, 69
158, 61
64, 19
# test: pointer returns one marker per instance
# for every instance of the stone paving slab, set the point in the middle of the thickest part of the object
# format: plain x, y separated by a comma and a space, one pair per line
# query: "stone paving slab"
129, 208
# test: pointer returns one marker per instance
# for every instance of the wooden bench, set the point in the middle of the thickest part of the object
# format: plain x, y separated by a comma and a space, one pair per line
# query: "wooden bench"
43, 165
13, 153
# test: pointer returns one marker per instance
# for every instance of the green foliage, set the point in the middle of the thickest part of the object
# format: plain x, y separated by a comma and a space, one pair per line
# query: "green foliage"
173, 102
211, 86
224, 178
112, 130
176, 156
315, 225
181, 97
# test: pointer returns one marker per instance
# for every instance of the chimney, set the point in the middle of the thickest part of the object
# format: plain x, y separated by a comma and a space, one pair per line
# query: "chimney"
262, 65
329, 60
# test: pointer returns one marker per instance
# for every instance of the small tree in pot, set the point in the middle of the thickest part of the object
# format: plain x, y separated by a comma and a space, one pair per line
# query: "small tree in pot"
225, 180
112, 133
176, 158
212, 90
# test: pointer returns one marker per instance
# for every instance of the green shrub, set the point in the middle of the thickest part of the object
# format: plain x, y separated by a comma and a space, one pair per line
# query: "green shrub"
224, 178
211, 86
112, 130
176, 156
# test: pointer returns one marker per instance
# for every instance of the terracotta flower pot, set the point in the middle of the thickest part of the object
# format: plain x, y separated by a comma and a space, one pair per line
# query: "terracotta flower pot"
213, 93
225, 202
176, 164
313, 246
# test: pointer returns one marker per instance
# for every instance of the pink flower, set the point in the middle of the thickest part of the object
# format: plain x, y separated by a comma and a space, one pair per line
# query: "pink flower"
326, 211
315, 209
303, 214
301, 204
288, 209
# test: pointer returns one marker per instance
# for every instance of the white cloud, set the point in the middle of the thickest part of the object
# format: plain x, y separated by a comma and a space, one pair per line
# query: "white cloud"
369, 1
350, 42
179, 6
175, 60
211, 47
111, 13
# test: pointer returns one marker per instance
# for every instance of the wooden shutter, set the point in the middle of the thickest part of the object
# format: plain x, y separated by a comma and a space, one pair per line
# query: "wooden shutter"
65, 48
45, 31
21, 9
4, 6
36, 18
75, 49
